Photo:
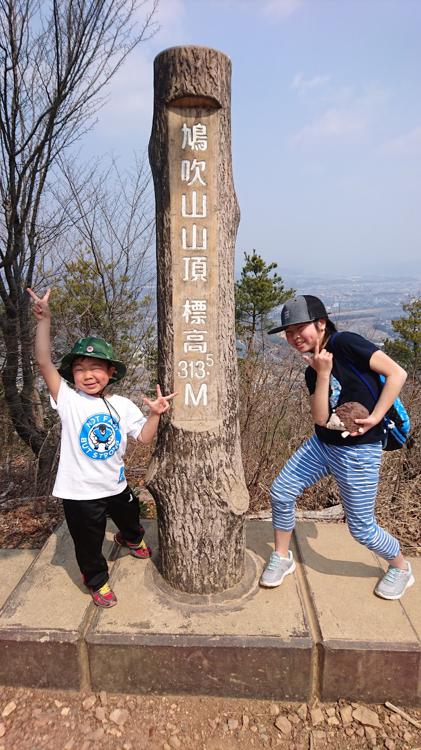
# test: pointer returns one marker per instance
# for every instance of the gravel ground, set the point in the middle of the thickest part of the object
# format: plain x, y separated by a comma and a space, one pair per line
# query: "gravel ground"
51, 720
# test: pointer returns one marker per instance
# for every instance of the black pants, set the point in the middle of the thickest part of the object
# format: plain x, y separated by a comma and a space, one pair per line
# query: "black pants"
87, 521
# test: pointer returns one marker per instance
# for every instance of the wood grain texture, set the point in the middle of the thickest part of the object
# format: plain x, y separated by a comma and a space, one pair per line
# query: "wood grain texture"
196, 477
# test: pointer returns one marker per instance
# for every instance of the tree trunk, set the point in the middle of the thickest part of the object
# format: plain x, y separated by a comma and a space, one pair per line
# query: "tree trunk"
19, 401
196, 474
47, 463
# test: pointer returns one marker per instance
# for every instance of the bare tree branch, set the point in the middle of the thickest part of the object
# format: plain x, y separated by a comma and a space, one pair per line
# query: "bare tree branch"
56, 60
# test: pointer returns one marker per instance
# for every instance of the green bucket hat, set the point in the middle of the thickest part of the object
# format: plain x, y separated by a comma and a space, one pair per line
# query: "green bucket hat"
91, 346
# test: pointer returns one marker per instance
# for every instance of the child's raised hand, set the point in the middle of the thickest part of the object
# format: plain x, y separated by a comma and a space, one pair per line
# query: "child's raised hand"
321, 361
41, 307
161, 404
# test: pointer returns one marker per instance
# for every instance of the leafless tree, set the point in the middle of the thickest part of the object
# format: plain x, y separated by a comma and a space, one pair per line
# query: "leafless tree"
103, 278
56, 60
105, 269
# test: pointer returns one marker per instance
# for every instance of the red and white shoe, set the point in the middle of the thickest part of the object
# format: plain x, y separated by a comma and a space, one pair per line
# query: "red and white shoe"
104, 597
139, 550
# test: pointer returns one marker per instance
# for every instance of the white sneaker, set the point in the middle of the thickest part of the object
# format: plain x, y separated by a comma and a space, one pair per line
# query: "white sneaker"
277, 568
394, 582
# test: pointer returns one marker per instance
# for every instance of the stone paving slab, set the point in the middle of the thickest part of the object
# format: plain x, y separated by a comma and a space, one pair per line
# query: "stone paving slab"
371, 648
322, 632
13, 564
247, 642
42, 621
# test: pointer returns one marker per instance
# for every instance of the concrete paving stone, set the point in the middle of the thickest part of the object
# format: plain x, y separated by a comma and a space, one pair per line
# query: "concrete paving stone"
248, 641
370, 647
42, 621
323, 626
13, 564
411, 603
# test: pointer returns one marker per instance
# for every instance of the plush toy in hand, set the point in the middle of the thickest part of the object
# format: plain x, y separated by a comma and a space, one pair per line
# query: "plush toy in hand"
343, 418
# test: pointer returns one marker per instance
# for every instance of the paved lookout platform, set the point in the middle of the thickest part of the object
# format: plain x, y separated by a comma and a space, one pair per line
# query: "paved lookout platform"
322, 633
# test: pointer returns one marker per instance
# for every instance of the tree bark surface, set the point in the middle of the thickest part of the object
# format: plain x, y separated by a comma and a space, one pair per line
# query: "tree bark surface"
196, 474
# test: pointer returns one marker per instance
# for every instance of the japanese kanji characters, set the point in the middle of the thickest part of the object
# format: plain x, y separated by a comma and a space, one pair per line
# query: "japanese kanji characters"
195, 311
195, 138
191, 171
195, 269
193, 340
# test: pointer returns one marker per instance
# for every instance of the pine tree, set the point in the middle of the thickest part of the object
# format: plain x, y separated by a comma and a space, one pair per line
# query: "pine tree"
102, 301
56, 62
407, 348
258, 292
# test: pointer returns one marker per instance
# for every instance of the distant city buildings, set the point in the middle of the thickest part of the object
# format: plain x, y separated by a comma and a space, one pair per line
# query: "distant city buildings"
366, 305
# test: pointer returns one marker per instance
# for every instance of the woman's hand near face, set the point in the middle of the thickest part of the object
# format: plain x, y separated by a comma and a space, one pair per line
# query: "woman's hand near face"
321, 361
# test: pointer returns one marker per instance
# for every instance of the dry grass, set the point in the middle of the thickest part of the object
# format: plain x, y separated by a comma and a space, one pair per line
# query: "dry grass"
275, 419
399, 498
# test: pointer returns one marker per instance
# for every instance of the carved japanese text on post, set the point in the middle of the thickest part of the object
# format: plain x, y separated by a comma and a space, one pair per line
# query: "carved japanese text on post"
196, 475
193, 139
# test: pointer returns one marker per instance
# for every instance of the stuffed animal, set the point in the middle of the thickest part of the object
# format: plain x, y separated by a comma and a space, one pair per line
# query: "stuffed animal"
342, 418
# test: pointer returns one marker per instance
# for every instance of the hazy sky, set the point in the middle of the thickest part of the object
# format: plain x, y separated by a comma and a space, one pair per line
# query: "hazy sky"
326, 123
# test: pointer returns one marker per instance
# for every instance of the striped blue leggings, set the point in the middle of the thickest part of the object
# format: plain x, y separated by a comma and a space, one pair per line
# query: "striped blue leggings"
356, 470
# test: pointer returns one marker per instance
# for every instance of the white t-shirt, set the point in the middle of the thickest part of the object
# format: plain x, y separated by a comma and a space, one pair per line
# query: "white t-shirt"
93, 443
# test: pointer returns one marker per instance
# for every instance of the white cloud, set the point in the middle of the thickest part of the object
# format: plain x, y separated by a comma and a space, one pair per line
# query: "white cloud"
345, 116
281, 8
333, 124
127, 115
301, 83
407, 144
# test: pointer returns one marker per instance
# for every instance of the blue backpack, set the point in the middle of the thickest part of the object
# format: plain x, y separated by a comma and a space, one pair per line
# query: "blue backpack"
396, 420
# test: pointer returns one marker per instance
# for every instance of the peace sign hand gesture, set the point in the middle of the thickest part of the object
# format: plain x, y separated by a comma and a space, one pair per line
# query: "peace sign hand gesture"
161, 404
41, 308
321, 361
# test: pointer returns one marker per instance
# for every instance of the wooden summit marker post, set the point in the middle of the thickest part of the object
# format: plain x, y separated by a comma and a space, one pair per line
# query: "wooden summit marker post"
196, 474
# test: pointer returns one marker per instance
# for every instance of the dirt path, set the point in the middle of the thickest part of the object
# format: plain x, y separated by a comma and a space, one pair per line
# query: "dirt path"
47, 720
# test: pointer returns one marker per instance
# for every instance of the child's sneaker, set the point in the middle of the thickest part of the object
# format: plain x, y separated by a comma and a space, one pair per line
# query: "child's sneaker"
104, 597
277, 568
139, 550
394, 582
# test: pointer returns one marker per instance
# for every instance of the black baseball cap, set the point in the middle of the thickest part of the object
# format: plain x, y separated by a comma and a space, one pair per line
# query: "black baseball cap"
302, 309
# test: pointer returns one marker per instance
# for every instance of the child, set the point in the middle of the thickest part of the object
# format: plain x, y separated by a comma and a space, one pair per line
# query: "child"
90, 477
354, 461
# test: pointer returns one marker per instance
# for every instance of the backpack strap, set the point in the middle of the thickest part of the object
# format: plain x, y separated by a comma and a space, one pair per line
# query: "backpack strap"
355, 370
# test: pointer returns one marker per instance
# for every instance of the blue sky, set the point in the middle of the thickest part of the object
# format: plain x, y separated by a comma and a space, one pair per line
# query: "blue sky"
326, 124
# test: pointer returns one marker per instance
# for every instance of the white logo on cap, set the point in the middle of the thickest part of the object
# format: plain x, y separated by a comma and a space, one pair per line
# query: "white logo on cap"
89, 348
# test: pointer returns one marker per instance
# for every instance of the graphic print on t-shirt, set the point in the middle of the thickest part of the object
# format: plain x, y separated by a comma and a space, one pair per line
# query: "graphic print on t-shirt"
100, 437
335, 392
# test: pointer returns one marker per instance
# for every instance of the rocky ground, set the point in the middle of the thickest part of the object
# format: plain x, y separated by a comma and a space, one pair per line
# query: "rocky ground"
46, 720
